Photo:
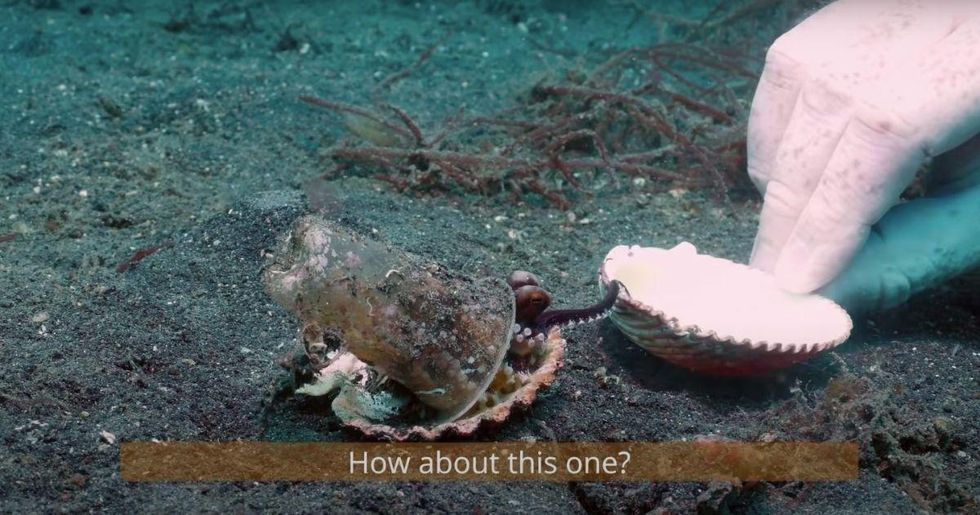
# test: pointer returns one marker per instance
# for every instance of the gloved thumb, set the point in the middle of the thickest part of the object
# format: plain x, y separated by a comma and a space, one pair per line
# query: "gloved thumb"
913, 247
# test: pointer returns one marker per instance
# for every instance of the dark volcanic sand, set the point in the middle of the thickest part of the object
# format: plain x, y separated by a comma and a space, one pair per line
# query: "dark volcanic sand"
128, 124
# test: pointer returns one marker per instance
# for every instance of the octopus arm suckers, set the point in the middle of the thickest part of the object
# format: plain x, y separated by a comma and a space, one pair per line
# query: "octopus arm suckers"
561, 317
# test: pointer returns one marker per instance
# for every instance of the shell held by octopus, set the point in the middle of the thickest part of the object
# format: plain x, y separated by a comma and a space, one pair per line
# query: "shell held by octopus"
409, 348
716, 316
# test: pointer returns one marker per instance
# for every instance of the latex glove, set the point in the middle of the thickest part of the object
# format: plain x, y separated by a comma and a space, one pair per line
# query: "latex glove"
849, 105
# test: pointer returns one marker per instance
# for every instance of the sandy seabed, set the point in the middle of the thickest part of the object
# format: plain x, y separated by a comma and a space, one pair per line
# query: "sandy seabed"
127, 125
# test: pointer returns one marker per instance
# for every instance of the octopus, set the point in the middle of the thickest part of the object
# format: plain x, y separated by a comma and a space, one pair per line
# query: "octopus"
533, 319
407, 348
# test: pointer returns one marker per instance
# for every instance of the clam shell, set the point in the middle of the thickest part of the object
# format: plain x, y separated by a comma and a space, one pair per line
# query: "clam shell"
438, 333
715, 316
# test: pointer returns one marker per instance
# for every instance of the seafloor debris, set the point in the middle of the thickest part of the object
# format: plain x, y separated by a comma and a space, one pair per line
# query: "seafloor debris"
716, 316
669, 115
142, 254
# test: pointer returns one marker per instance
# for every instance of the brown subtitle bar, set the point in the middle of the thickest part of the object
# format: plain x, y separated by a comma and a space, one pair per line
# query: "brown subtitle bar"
500, 461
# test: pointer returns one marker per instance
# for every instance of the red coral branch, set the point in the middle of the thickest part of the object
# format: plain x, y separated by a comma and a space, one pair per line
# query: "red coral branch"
683, 124
388, 81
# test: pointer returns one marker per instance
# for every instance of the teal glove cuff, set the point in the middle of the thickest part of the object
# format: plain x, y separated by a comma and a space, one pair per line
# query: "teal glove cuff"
914, 246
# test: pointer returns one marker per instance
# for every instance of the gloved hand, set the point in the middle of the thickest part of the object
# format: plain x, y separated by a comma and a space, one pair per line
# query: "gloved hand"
850, 104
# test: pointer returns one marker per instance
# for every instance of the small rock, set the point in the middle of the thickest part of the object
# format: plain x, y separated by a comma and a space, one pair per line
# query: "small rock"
605, 379
108, 437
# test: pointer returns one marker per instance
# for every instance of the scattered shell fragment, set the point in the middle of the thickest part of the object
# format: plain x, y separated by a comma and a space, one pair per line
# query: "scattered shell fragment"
715, 316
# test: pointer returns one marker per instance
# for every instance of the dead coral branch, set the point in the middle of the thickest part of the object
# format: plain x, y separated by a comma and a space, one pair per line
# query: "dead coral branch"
669, 115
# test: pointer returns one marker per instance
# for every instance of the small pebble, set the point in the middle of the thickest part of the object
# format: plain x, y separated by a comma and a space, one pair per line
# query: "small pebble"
107, 437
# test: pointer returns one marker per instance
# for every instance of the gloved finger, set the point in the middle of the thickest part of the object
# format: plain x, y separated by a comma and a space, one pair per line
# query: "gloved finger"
779, 86
814, 129
850, 43
874, 161
915, 246
789, 145
928, 105
793, 59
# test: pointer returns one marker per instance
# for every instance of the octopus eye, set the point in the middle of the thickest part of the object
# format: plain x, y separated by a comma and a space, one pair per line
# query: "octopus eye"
531, 301
520, 278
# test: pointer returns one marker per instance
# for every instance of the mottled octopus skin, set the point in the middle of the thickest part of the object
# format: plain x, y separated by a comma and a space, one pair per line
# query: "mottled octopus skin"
532, 306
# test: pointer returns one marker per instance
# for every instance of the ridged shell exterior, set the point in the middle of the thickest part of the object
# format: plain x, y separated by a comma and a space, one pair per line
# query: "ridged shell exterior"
701, 349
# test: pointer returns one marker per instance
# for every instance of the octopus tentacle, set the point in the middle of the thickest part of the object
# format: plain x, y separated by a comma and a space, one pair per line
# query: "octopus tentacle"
559, 317
533, 319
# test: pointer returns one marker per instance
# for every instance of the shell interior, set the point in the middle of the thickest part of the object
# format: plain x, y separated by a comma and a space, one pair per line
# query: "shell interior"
704, 295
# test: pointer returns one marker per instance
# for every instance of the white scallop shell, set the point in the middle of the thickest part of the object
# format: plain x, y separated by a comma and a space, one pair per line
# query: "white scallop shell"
714, 315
